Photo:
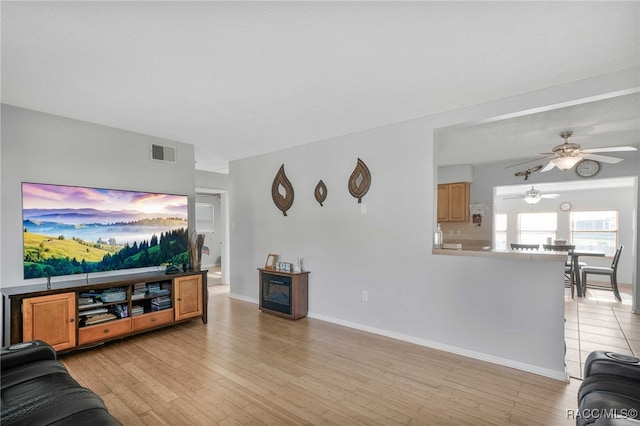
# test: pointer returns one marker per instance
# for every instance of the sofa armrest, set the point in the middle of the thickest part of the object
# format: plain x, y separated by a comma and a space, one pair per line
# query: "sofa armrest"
21, 353
604, 362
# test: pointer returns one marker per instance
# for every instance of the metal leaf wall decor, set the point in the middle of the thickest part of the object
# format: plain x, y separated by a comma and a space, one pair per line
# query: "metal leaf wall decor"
282, 191
321, 192
360, 180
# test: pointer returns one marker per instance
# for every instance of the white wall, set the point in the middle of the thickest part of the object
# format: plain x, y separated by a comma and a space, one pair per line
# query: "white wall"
467, 305
452, 174
212, 180
44, 148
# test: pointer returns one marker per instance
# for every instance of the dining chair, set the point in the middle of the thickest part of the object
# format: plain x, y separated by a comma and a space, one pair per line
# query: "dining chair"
612, 272
569, 281
515, 246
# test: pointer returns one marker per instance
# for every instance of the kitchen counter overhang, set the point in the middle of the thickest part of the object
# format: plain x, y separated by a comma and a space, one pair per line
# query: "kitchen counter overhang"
538, 256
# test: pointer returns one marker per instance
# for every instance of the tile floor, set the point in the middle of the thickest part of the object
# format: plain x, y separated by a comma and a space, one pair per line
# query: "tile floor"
599, 322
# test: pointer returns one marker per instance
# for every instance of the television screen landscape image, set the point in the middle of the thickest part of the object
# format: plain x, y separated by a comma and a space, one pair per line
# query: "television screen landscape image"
75, 230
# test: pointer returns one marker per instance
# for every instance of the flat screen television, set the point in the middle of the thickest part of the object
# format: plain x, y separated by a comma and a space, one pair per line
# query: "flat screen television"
76, 230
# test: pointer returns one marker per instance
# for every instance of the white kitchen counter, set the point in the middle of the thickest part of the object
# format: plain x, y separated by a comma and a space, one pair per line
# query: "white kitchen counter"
537, 256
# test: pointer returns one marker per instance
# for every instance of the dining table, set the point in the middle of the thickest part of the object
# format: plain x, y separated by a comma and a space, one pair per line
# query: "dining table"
575, 264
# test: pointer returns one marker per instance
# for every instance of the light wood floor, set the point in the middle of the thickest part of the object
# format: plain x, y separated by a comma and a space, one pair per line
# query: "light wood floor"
251, 368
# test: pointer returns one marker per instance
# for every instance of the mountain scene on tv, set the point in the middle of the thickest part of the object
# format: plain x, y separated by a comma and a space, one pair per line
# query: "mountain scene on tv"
76, 230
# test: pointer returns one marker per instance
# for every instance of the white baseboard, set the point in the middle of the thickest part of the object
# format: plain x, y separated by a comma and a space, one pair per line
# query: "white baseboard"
244, 298
553, 374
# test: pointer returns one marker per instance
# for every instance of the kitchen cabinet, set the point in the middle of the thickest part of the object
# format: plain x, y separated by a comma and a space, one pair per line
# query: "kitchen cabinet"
453, 202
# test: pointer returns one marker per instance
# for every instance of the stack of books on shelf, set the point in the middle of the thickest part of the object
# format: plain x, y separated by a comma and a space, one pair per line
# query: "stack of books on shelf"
155, 289
160, 303
113, 295
89, 300
94, 311
96, 319
136, 310
139, 291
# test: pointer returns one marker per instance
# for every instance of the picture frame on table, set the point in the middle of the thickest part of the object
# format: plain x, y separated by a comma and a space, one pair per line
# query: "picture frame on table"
271, 263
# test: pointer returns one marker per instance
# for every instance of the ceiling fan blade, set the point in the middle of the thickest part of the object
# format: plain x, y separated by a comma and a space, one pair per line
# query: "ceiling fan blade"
525, 162
550, 196
548, 167
513, 198
611, 149
603, 158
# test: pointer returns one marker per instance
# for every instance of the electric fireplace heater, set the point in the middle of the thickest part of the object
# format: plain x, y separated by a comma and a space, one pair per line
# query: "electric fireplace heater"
284, 293
276, 293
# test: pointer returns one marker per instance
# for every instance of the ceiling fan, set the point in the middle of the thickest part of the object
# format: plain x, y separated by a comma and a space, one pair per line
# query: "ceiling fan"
568, 154
527, 172
533, 196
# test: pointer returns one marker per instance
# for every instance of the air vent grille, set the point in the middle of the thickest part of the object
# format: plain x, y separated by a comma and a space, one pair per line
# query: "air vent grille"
163, 153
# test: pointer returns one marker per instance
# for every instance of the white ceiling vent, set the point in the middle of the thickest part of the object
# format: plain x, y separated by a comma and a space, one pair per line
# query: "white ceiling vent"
163, 153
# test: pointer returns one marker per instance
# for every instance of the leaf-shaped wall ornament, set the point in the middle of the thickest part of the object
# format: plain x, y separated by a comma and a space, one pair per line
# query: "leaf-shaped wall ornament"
321, 192
360, 181
282, 191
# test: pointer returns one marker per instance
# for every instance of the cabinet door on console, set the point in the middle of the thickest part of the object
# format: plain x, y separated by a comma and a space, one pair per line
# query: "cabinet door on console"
188, 296
50, 318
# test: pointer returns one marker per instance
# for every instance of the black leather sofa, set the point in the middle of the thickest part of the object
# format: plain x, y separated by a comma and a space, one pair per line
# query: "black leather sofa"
38, 390
610, 392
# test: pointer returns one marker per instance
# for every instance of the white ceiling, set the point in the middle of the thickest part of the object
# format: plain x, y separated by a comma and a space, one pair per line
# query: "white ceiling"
238, 79
609, 122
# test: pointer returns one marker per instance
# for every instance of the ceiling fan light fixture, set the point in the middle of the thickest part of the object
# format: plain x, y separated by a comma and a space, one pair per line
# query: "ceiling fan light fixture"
532, 200
532, 196
566, 163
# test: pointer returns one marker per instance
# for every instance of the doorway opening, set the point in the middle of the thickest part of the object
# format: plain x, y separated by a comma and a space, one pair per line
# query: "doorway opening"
212, 220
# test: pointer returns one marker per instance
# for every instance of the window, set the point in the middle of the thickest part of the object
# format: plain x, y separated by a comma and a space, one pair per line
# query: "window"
204, 217
535, 228
500, 231
595, 231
